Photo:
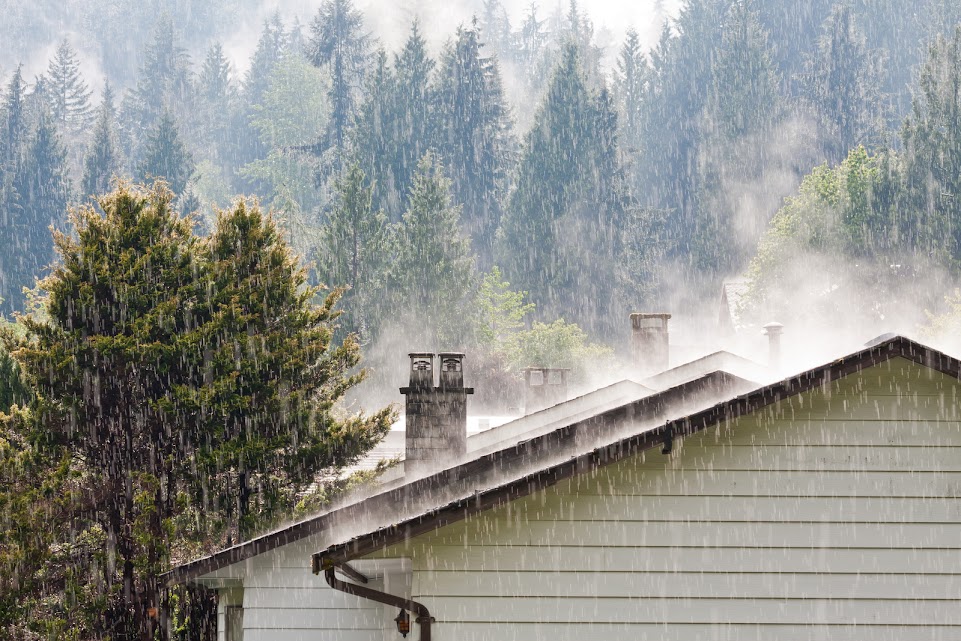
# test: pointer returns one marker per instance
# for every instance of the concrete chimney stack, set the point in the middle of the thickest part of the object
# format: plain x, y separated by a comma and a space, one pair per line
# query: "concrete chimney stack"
773, 332
649, 343
436, 417
544, 387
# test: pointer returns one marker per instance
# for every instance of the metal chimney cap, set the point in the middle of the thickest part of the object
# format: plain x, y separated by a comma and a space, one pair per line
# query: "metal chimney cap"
443, 354
773, 329
421, 354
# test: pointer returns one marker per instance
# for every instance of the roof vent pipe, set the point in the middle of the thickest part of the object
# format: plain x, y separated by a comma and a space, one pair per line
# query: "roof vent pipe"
649, 343
773, 332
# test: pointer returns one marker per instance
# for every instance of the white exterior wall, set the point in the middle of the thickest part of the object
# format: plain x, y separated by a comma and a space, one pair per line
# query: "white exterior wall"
834, 515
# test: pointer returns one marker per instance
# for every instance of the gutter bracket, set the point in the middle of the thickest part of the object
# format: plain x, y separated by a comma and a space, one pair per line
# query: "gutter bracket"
668, 439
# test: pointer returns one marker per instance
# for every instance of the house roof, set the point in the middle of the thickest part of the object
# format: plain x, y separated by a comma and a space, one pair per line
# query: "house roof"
524, 467
462, 508
401, 503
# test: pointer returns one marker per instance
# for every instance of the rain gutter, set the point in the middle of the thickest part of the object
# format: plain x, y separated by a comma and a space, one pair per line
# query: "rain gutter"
424, 619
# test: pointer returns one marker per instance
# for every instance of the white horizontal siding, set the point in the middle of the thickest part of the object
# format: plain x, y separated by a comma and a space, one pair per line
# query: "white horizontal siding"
292, 604
687, 632
835, 508
612, 584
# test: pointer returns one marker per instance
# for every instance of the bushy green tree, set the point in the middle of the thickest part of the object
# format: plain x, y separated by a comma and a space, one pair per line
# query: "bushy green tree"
267, 411
835, 242
183, 374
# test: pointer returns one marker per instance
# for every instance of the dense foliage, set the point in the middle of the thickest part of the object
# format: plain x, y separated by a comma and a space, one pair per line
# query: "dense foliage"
186, 387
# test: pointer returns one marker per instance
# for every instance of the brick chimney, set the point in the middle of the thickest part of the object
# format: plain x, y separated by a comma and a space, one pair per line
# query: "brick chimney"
649, 343
436, 416
544, 387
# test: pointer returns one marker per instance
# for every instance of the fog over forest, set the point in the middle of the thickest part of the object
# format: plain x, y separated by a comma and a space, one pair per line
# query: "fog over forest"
237, 188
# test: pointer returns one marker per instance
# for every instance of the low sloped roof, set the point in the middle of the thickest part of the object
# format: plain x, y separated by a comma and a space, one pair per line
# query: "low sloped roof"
644, 439
488, 469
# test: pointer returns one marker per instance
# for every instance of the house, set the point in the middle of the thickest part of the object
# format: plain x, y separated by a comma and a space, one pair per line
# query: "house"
823, 506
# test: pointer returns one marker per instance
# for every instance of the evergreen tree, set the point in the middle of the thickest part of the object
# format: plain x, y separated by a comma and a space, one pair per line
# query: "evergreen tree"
844, 85
376, 137
69, 96
204, 378
338, 42
742, 109
163, 86
412, 102
41, 189
268, 411
357, 243
103, 160
474, 137
631, 78
558, 240
434, 268
217, 102
931, 211
14, 122
271, 47
166, 157
273, 44
393, 127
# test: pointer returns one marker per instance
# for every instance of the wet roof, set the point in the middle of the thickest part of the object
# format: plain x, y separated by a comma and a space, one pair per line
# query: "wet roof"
664, 434
485, 468
578, 446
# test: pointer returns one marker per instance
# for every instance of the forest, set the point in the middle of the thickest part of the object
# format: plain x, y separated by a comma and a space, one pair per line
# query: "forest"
198, 245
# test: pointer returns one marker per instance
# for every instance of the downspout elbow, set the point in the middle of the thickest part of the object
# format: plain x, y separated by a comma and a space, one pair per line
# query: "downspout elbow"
423, 617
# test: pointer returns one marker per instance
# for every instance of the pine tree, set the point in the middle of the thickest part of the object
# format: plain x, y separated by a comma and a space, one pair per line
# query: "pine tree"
203, 375
267, 411
434, 268
14, 121
474, 137
844, 84
41, 189
357, 243
69, 96
166, 157
376, 137
271, 47
163, 85
103, 161
631, 78
217, 102
339, 43
558, 239
413, 130
931, 208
